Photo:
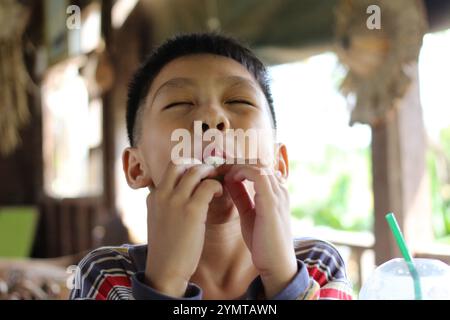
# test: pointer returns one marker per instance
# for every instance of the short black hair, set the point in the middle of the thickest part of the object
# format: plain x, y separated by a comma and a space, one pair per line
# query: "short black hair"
183, 45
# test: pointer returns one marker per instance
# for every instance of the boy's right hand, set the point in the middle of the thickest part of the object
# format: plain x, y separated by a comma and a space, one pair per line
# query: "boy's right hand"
176, 215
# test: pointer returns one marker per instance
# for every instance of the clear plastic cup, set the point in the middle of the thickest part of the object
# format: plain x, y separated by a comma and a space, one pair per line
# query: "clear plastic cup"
392, 281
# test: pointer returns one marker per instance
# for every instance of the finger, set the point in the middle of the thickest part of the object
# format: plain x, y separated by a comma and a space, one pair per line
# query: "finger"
276, 180
281, 180
191, 178
245, 207
278, 188
240, 196
223, 169
256, 175
206, 191
172, 175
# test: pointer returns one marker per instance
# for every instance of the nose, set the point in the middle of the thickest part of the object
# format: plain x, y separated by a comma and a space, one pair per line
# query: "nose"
220, 126
213, 117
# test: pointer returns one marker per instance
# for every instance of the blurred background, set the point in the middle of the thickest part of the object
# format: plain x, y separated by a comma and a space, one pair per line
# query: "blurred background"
361, 91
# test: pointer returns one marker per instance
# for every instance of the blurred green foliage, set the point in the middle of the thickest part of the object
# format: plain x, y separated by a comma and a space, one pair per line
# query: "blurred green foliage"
332, 207
438, 162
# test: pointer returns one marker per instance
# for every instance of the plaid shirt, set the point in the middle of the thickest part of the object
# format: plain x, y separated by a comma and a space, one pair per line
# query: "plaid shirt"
117, 273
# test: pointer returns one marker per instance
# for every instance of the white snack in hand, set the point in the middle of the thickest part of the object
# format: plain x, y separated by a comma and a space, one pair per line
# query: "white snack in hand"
187, 161
215, 161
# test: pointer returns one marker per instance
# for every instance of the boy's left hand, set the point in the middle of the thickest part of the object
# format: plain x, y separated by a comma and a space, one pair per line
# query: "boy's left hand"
265, 223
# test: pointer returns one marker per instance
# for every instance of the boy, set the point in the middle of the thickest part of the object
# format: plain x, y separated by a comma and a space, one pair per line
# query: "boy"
214, 231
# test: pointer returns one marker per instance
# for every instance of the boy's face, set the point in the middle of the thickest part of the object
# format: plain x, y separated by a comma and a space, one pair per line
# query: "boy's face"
215, 90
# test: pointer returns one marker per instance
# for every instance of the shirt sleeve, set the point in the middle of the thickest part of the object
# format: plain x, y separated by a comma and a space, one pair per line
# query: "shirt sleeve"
103, 274
142, 291
321, 275
297, 287
326, 270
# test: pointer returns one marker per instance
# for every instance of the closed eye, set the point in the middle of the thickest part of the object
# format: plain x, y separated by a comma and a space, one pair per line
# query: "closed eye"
179, 103
240, 102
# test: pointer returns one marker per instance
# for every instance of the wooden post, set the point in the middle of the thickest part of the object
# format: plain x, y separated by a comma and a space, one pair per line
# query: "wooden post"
400, 181
108, 121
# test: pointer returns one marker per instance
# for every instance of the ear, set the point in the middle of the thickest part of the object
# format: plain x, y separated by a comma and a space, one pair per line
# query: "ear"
136, 173
281, 159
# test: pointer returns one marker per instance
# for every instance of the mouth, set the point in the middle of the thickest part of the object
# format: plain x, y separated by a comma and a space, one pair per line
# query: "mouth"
215, 157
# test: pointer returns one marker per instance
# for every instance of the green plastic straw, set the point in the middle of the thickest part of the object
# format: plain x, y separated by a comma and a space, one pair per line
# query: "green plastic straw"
405, 253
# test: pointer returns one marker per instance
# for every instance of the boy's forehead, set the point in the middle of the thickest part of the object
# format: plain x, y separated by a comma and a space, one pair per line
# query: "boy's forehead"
192, 69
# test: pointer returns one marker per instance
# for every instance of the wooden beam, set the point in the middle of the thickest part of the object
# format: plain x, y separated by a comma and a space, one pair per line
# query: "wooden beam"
108, 121
400, 181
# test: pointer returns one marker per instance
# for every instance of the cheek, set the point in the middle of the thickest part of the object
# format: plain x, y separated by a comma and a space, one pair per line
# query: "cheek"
266, 152
260, 141
157, 153
266, 139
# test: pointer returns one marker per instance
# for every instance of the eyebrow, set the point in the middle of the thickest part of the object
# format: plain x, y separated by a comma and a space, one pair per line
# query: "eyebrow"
175, 83
231, 81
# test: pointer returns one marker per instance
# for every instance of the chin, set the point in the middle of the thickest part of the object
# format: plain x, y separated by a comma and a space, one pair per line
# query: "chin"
221, 209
